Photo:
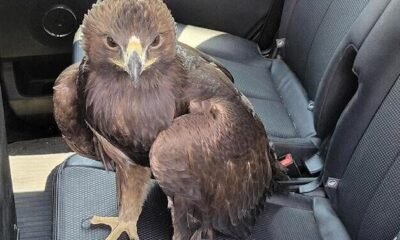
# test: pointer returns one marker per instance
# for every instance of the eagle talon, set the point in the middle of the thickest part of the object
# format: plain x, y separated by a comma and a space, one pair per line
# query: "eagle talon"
117, 226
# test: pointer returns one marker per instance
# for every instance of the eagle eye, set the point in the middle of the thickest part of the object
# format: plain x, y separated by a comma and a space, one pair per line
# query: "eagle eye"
111, 43
156, 42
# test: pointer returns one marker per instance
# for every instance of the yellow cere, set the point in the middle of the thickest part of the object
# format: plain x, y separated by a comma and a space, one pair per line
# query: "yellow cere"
134, 45
149, 62
119, 63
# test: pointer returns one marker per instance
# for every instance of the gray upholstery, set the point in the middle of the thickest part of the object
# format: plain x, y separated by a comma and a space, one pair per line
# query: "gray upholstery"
280, 101
338, 82
218, 44
83, 188
315, 32
366, 140
297, 217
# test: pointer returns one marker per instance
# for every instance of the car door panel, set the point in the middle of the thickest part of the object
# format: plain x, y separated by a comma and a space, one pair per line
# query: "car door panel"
7, 207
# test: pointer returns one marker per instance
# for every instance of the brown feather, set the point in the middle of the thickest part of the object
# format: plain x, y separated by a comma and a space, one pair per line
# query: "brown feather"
192, 52
221, 170
67, 115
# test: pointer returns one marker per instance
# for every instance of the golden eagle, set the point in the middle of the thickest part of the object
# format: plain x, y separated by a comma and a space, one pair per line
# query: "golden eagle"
145, 104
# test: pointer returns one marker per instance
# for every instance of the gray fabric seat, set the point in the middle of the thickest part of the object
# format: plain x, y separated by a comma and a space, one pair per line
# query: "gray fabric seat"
85, 189
280, 101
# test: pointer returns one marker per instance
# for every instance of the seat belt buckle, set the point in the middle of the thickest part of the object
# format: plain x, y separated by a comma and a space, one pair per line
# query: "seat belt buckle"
288, 162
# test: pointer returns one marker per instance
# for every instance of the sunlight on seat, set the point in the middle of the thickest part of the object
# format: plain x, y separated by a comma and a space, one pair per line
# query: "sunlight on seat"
193, 36
30, 172
31, 162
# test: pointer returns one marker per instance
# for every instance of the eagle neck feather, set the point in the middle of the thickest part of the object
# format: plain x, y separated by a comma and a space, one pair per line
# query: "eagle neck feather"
131, 118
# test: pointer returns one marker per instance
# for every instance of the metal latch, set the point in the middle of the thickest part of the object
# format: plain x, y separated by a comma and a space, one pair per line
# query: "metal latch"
279, 44
311, 106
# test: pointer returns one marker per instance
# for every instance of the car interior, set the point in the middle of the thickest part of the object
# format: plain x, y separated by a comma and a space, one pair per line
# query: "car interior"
322, 75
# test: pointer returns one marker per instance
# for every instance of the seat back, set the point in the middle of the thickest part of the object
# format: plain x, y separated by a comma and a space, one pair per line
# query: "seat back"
323, 38
314, 32
365, 147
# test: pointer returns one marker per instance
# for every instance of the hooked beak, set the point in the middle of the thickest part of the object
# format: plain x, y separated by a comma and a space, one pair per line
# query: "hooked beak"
134, 67
134, 60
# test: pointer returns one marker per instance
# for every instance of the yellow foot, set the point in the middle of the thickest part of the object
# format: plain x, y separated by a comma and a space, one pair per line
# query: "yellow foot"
117, 227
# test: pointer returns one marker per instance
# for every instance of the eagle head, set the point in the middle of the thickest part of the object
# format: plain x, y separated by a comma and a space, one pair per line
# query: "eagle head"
130, 36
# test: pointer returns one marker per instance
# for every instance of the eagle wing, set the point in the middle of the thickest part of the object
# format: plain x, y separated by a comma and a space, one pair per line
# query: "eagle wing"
192, 53
214, 159
68, 115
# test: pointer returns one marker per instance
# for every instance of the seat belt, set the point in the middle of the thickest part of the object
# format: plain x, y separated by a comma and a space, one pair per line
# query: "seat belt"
313, 185
280, 41
271, 25
320, 158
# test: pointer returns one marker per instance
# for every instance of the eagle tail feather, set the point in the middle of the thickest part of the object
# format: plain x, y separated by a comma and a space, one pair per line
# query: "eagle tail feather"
203, 233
